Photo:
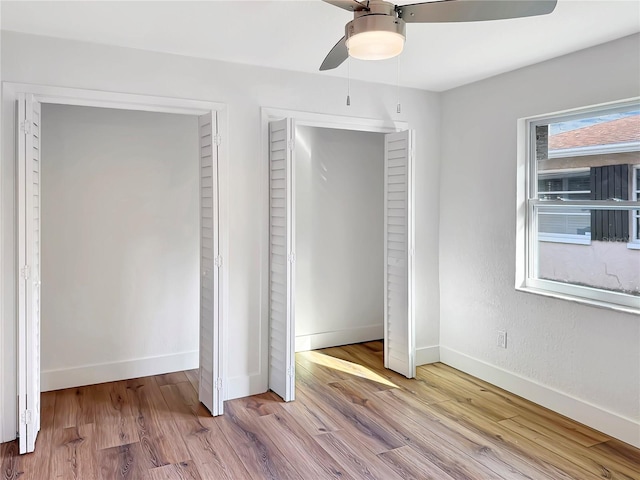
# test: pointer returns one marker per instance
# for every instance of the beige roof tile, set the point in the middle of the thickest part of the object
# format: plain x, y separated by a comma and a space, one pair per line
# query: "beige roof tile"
622, 130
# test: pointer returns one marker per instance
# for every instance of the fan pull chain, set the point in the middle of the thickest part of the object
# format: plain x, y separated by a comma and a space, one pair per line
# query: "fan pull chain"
349, 82
398, 108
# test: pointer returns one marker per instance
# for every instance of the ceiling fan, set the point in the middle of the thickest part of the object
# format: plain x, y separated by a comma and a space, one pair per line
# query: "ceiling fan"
377, 30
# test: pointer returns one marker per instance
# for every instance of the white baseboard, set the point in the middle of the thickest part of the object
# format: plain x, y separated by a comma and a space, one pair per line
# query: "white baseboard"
113, 371
622, 428
339, 337
425, 355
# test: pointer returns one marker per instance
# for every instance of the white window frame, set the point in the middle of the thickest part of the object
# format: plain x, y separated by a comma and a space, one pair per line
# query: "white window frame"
634, 241
528, 203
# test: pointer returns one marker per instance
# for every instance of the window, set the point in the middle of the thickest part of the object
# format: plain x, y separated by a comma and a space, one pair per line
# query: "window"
579, 202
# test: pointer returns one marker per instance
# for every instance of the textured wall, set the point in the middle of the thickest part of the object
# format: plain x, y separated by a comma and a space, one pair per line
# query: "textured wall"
589, 353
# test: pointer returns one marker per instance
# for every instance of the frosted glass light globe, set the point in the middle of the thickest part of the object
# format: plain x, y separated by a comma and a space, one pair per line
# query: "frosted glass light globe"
375, 45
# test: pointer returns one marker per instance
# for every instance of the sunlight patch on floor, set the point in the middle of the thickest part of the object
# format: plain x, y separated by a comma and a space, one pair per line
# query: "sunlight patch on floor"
345, 366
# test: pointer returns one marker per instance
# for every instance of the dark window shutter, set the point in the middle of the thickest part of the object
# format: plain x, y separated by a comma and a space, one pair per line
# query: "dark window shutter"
611, 181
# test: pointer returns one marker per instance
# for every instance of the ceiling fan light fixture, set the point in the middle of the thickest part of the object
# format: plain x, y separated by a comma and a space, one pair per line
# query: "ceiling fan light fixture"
375, 37
376, 45
377, 30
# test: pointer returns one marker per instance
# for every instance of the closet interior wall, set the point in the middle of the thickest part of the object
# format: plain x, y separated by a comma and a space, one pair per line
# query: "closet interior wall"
120, 244
339, 234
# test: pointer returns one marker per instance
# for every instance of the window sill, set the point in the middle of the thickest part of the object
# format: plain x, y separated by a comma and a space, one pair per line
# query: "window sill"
583, 300
633, 245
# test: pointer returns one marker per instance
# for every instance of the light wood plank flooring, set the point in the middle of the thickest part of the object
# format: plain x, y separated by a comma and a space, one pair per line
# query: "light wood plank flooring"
352, 419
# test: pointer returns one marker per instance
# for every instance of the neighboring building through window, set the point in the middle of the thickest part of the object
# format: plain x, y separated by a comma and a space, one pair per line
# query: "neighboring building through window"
582, 226
567, 226
635, 217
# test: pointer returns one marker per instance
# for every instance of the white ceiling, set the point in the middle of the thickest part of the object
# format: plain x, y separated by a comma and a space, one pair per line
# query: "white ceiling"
297, 34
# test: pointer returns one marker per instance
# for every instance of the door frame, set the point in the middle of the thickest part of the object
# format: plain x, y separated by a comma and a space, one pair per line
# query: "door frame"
8, 230
307, 119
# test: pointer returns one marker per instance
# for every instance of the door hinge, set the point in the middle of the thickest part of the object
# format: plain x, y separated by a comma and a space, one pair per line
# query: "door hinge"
291, 371
218, 261
291, 257
25, 127
25, 272
291, 144
218, 384
26, 417
217, 139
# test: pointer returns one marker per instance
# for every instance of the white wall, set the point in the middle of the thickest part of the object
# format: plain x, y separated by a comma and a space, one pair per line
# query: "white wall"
339, 237
244, 89
120, 243
580, 360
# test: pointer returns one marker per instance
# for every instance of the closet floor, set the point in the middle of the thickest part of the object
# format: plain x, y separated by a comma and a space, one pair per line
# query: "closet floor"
351, 419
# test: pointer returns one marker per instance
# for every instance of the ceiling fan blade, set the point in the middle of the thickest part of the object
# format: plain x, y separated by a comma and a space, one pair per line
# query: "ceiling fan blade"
351, 5
473, 10
336, 56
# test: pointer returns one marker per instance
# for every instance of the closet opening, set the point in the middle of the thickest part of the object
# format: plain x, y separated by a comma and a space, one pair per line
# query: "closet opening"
119, 244
122, 232
339, 234
341, 242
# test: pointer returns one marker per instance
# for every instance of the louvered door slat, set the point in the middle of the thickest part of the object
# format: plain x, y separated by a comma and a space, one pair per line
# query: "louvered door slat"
281, 269
399, 345
29, 271
209, 388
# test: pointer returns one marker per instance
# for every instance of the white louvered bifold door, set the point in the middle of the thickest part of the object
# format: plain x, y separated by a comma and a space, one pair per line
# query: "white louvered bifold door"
282, 260
399, 341
28, 271
210, 379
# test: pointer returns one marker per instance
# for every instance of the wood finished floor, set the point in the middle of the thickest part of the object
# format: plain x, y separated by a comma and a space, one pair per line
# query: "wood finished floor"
351, 420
